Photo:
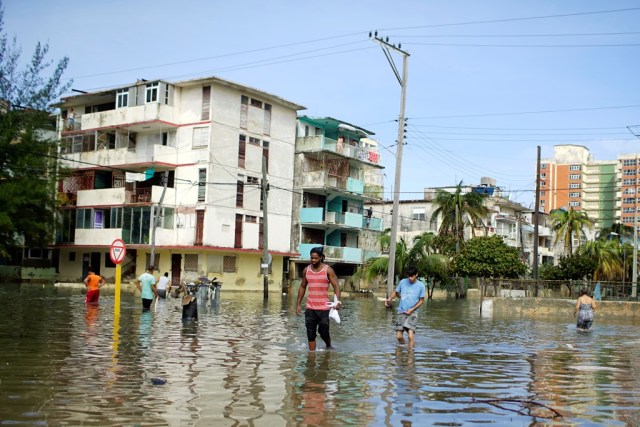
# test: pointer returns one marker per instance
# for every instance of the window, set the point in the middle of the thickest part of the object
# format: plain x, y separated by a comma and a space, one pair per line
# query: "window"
574, 176
575, 167
206, 102
265, 153
240, 194
266, 128
151, 92
252, 180
254, 141
543, 184
244, 111
242, 151
191, 262
256, 103
83, 218
574, 204
419, 214
628, 200
107, 261
202, 184
116, 218
166, 218
629, 181
98, 219
541, 202
229, 264
629, 172
629, 191
574, 185
543, 166
250, 218
542, 193
574, 194
543, 175
122, 98
629, 162
200, 137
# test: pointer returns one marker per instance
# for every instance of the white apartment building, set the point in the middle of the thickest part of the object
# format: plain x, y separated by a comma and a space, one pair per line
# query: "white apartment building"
177, 167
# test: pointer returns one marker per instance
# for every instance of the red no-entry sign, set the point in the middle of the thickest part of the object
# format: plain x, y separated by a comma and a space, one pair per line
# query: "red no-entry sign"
117, 251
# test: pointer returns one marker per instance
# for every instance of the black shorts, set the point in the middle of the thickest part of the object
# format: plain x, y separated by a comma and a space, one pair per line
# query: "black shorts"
317, 321
146, 303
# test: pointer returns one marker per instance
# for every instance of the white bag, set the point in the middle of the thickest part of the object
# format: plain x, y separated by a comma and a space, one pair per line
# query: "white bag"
333, 313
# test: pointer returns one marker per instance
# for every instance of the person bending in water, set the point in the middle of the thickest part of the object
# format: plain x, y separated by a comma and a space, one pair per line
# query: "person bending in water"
585, 306
317, 277
411, 292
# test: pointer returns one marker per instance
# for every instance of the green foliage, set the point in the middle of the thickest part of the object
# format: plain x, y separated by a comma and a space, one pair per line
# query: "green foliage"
27, 148
568, 225
456, 211
488, 257
572, 267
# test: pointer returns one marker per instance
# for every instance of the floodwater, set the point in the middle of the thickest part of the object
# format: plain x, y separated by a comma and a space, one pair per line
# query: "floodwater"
245, 363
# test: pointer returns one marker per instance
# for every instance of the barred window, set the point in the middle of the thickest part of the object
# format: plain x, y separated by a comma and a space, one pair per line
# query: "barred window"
229, 264
191, 262
200, 137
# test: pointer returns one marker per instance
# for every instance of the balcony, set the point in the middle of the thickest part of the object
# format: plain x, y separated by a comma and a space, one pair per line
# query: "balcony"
318, 218
318, 143
325, 181
121, 196
335, 253
147, 117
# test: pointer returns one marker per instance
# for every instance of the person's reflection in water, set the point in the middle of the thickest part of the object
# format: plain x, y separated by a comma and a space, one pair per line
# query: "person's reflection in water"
407, 386
317, 390
146, 328
90, 318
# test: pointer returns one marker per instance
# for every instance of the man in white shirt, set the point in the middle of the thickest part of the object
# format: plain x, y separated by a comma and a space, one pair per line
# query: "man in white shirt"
163, 284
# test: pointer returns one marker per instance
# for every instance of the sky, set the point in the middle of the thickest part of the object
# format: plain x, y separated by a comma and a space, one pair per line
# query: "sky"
488, 80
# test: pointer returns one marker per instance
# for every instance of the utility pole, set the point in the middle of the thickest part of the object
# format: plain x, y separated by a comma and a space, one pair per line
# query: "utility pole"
156, 220
386, 49
536, 224
265, 230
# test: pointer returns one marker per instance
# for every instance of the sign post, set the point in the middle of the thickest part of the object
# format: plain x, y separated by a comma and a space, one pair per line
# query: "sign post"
117, 253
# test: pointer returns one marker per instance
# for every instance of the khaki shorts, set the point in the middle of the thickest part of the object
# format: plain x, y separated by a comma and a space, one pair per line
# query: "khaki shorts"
405, 322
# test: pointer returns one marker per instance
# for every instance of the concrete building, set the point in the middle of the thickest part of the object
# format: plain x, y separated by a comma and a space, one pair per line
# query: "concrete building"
338, 172
177, 166
604, 189
505, 218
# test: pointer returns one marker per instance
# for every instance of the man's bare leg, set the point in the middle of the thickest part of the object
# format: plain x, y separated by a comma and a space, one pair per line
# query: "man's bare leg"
400, 337
312, 346
411, 334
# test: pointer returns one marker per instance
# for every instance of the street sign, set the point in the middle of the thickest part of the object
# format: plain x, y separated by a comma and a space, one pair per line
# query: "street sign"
117, 251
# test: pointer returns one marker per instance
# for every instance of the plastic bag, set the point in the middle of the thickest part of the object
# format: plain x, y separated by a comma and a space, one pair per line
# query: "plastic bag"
333, 313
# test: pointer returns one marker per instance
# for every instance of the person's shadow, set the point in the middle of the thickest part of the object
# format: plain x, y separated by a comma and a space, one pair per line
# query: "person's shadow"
317, 388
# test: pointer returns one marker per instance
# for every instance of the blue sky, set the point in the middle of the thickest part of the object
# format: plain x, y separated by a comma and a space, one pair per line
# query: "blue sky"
488, 81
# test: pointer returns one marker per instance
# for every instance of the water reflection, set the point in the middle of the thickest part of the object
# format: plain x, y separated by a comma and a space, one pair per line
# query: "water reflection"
244, 362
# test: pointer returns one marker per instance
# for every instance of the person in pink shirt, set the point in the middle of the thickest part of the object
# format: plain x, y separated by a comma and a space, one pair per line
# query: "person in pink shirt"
317, 278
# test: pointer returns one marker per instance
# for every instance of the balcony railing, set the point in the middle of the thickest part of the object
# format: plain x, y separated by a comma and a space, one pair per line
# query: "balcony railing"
334, 253
345, 219
150, 115
322, 179
320, 143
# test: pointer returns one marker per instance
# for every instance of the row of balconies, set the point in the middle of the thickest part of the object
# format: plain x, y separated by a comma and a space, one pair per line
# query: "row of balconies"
318, 143
335, 220
150, 116
338, 253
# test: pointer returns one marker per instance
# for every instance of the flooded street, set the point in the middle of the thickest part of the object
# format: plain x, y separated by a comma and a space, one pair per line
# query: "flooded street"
245, 363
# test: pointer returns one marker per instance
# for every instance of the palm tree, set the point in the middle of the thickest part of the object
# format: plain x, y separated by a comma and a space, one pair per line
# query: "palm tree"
567, 225
606, 255
458, 210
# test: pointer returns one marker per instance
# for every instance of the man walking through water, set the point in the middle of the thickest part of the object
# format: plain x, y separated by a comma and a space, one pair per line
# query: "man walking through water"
317, 277
411, 292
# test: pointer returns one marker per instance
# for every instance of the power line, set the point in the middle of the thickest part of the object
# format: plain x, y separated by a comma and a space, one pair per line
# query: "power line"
527, 112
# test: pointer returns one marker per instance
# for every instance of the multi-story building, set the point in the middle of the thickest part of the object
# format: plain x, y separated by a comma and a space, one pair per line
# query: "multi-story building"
510, 220
176, 169
338, 171
604, 189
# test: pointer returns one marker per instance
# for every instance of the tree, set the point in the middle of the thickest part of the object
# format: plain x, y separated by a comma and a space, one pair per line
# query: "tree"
27, 145
605, 255
488, 257
567, 225
457, 211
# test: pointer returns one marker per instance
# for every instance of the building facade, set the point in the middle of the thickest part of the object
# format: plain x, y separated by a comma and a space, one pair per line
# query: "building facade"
176, 169
338, 172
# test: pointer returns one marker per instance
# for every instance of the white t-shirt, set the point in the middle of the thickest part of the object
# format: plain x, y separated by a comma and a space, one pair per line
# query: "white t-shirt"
163, 282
